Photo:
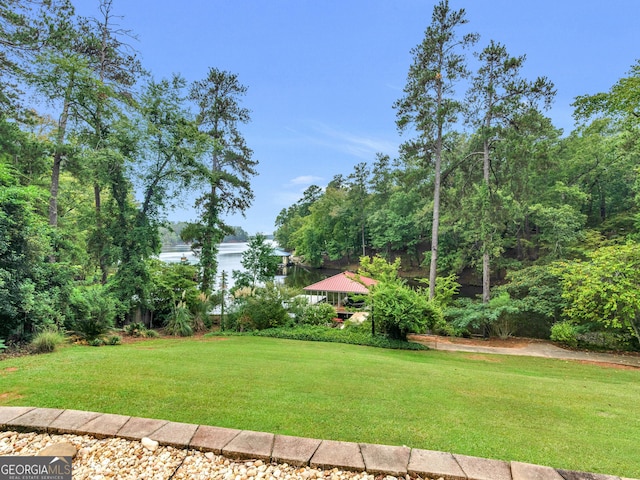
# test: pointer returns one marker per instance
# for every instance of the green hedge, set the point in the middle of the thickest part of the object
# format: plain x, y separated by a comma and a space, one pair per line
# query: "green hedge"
316, 333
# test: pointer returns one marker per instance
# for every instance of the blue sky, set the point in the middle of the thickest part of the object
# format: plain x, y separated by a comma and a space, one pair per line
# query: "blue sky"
322, 75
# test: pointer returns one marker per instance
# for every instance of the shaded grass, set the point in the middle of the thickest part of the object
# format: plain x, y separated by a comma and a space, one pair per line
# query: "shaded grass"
542, 411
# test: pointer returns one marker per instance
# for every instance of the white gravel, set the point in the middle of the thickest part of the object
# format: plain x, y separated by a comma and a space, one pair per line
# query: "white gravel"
116, 458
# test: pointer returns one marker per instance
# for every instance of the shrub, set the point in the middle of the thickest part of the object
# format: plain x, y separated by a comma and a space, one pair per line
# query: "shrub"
504, 319
200, 308
138, 329
399, 310
318, 314
500, 316
606, 340
180, 321
114, 340
93, 312
260, 308
135, 329
170, 283
47, 341
537, 293
96, 342
565, 332
2, 345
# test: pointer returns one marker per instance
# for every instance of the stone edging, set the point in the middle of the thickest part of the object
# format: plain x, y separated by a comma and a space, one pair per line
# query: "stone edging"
245, 444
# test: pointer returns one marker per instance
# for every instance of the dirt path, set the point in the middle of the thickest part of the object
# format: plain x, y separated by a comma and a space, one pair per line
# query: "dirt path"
526, 347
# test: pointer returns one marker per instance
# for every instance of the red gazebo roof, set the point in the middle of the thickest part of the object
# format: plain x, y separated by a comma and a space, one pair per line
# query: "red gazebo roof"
343, 283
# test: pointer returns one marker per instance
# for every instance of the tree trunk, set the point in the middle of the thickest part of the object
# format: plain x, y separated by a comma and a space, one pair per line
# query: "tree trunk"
433, 268
57, 161
102, 260
435, 223
486, 264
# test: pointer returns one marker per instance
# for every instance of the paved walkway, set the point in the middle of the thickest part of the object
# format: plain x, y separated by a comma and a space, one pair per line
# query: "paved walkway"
528, 348
243, 444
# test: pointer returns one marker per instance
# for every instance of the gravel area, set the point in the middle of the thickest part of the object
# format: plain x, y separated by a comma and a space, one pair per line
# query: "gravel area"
117, 458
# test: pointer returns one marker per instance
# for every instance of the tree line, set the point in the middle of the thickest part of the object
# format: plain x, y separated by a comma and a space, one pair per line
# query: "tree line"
170, 234
485, 183
93, 153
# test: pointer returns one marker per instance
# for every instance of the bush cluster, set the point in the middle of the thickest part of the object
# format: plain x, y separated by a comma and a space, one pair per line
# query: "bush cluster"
315, 333
565, 333
47, 341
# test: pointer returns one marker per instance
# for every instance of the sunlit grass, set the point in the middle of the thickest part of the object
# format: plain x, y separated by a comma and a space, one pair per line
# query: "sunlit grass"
548, 412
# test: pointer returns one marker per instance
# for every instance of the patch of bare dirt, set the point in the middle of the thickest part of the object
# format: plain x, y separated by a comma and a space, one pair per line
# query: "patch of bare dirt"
512, 342
616, 366
128, 339
6, 396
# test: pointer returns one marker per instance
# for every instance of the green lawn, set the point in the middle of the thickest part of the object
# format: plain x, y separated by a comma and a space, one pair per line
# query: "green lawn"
548, 412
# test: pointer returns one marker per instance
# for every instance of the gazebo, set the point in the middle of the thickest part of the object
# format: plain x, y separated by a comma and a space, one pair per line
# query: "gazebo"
337, 288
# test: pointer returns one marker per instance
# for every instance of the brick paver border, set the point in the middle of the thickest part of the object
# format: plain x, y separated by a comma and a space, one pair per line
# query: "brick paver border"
245, 444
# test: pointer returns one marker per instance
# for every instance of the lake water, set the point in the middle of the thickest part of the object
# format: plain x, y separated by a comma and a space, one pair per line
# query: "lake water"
229, 257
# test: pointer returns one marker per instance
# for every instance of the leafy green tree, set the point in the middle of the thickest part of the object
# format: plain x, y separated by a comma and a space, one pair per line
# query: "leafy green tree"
291, 219
230, 165
33, 293
162, 147
496, 97
616, 117
526, 169
26, 28
328, 229
259, 261
309, 242
600, 159
560, 226
378, 268
358, 198
430, 103
396, 225
116, 70
622, 102
168, 283
605, 290
62, 75
538, 289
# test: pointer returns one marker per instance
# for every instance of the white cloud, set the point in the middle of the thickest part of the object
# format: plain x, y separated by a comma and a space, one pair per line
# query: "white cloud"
305, 180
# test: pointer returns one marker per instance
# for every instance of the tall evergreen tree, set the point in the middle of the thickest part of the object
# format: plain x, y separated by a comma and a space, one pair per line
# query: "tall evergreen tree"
497, 96
430, 104
228, 168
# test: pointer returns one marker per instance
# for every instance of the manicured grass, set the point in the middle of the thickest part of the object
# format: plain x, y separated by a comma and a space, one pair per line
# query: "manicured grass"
548, 412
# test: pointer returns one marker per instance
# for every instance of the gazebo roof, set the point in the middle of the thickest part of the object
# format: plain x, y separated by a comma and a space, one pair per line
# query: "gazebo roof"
343, 283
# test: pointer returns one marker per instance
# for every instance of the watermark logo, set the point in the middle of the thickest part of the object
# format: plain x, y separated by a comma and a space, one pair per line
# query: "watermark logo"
35, 468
